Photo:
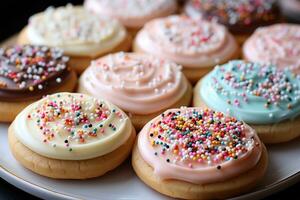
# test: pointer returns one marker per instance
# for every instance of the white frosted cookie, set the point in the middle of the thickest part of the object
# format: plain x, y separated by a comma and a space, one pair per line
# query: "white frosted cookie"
81, 34
71, 136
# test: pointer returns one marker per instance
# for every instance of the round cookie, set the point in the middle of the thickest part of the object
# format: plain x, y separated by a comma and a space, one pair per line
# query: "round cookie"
290, 10
141, 85
241, 17
261, 95
29, 72
71, 136
278, 44
82, 35
191, 153
195, 44
132, 14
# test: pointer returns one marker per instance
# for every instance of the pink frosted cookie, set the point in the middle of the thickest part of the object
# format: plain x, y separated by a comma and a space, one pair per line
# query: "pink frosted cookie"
277, 44
196, 45
141, 85
132, 13
191, 153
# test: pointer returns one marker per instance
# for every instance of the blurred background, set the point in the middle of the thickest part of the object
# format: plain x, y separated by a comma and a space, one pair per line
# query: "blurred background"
15, 13
13, 17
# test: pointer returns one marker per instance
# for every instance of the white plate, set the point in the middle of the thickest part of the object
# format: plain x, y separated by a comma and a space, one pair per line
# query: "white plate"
122, 183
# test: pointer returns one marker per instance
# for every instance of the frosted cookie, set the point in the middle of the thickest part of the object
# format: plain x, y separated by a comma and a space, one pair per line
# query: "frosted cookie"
133, 14
277, 44
195, 44
141, 85
241, 17
261, 95
82, 35
71, 136
190, 153
29, 72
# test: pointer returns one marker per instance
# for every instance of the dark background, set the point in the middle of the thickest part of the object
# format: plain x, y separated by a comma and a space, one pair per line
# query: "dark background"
14, 15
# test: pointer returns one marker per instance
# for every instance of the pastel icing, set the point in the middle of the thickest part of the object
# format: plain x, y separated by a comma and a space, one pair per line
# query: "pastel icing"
137, 83
75, 30
198, 146
189, 42
132, 13
69, 126
252, 92
278, 44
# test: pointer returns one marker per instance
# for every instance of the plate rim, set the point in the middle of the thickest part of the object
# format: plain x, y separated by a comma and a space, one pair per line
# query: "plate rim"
41, 192
28, 186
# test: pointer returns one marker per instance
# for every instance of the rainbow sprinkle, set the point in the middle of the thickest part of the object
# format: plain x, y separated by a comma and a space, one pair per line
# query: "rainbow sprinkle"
72, 118
195, 137
29, 66
245, 12
248, 79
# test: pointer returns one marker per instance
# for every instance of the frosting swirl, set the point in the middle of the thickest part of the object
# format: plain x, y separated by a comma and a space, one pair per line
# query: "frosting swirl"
240, 16
71, 126
278, 44
137, 83
186, 41
132, 13
75, 30
254, 93
198, 146
29, 72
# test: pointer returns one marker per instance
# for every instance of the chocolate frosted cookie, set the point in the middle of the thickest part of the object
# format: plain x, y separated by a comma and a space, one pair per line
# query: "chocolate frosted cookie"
29, 72
241, 17
291, 10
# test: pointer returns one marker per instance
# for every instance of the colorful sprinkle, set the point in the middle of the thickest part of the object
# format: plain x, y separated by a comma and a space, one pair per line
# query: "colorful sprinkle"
73, 119
276, 87
195, 137
29, 66
245, 12
186, 35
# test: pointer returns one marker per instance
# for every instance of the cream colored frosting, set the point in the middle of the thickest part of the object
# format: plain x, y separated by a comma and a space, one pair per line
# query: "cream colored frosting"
132, 13
69, 126
75, 30
277, 44
180, 153
137, 83
186, 41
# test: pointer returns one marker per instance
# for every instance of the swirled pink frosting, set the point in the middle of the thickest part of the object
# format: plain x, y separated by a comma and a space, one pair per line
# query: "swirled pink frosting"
198, 146
132, 13
186, 41
277, 44
137, 83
